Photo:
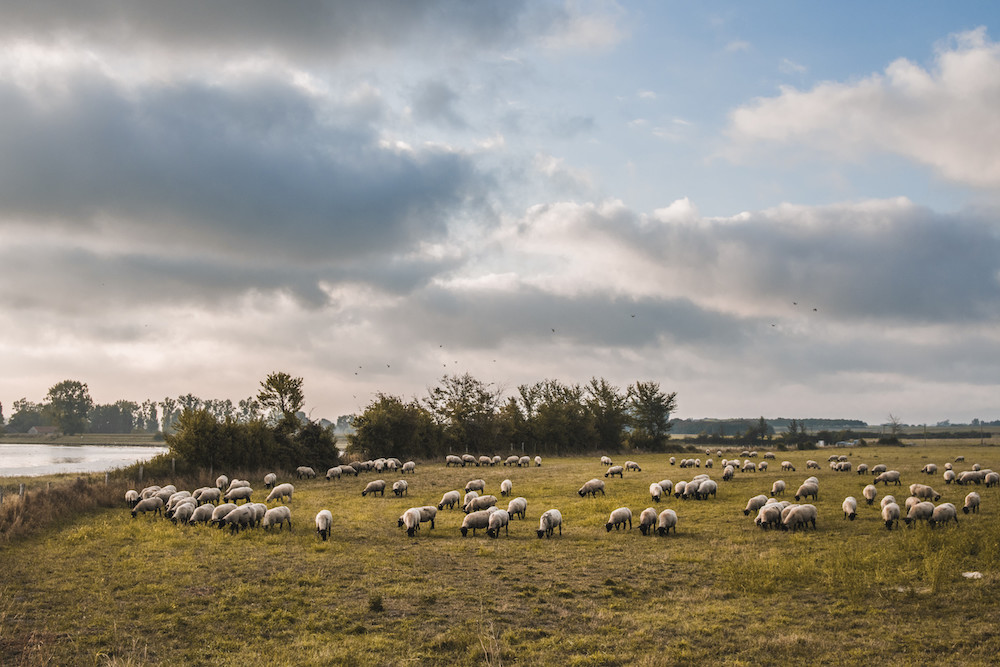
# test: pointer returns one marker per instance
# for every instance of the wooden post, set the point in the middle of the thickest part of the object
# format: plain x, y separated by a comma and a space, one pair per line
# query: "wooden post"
48, 486
173, 466
140, 473
20, 491
1, 495
105, 479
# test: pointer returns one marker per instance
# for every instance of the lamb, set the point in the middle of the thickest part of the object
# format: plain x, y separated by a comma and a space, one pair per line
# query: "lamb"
324, 524
942, 514
499, 519
220, 512
476, 520
787, 465
538, 461
632, 465
305, 471
924, 492
888, 476
452, 460
647, 520
869, 492
971, 503
450, 499
282, 493
239, 493
592, 487
615, 470
480, 503
919, 511
655, 492
890, 514
411, 520
850, 507
666, 521
800, 517
202, 514
517, 507
778, 488
524, 462
409, 466
754, 504
606, 461
506, 487
475, 485
807, 489
548, 522
376, 486
618, 519
277, 516
132, 498
399, 488
270, 479
335, 471
769, 516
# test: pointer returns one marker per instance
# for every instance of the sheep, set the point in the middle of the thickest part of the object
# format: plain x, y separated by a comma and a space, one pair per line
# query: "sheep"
749, 466
548, 522
409, 466
480, 503
618, 518
665, 521
606, 461
959, 459
239, 519
538, 461
468, 497
655, 492
878, 469
324, 524
238, 484
680, 488
647, 520
929, 469
850, 507
769, 516
762, 466
886, 500
807, 489
450, 499
452, 460
942, 514
499, 519
183, 512
919, 511
924, 492
768, 455
754, 504
707, 488
615, 470
862, 468
890, 514
727, 473
963, 478
373, 487
708, 463
949, 476
202, 514
221, 482
870, 493
427, 514
888, 476
335, 471
258, 510
239, 493
812, 480
411, 520
282, 493
971, 503
991, 479
220, 512
165, 493
512, 460
517, 507
800, 517
277, 516
667, 486
673, 460
468, 459
475, 485
484, 461
209, 495
506, 487
811, 464
476, 520
778, 488
270, 479
524, 462
592, 487
400, 488
910, 502
496, 460
349, 469
787, 465
305, 471
132, 498
632, 465
691, 488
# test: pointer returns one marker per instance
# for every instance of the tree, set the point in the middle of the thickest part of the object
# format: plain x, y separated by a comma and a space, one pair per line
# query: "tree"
608, 407
118, 417
650, 411
391, 427
170, 414
282, 393
27, 414
70, 402
466, 409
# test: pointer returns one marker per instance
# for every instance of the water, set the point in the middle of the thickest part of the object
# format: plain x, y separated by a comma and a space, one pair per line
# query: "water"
18, 460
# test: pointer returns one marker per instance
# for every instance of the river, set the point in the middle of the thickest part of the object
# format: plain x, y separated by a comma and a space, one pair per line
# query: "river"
20, 460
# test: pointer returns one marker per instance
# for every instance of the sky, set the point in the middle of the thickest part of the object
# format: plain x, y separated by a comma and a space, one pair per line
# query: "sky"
776, 209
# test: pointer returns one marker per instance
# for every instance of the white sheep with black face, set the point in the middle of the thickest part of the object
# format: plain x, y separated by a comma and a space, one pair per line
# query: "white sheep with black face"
305, 472
807, 489
373, 487
754, 504
869, 492
132, 498
778, 487
281, 493
615, 470
449, 499
411, 521
619, 518
942, 514
850, 507
548, 522
324, 524
499, 519
336, 472
400, 488
409, 466
591, 488
239, 493
924, 492
475, 485
477, 520
890, 514
517, 507
655, 492
769, 516
480, 503
270, 479
154, 505
665, 521
277, 516
606, 461
918, 511
888, 477
971, 503
647, 521
506, 487
799, 516
202, 514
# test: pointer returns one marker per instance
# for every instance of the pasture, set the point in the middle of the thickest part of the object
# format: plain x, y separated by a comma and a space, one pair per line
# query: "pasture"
103, 588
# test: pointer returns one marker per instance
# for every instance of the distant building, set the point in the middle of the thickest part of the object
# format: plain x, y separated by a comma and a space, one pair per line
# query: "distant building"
43, 430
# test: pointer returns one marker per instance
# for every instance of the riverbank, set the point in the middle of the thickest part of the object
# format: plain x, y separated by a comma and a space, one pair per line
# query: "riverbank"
133, 439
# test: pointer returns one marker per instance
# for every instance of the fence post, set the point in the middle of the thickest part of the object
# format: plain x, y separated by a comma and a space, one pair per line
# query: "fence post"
1, 495
140, 473
105, 479
173, 466
20, 491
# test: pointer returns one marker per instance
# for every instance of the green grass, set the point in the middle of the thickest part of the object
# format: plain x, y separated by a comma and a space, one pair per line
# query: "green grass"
102, 588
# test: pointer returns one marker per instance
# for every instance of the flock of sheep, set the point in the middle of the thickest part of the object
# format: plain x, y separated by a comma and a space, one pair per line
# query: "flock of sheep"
220, 505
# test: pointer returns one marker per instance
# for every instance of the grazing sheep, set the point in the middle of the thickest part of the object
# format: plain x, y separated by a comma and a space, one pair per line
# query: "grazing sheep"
517, 507
548, 522
778, 487
450, 499
655, 492
680, 488
606, 461
411, 520
270, 479
762, 466
879, 469
615, 470
754, 504
496, 460
708, 463
238, 484
971, 503
870, 493
862, 468
799, 517
324, 524
991, 479
538, 461
749, 466
918, 511
886, 500
707, 488
167, 491
476, 520
949, 476
667, 486
409, 466
807, 489
506, 487
220, 512
452, 460
239, 493
850, 507
212, 495
812, 480
222, 482
811, 464
524, 462
468, 459
929, 469
183, 512
475, 485
512, 460
924, 492
592, 487
305, 471
665, 521
259, 510
673, 460
376, 486
282, 493
132, 498
618, 519
727, 473
888, 476
632, 465
427, 514
277, 516
480, 503
484, 461
787, 465
399, 488
335, 471
890, 514
768, 455
350, 469
948, 466
499, 519
468, 497
964, 477
959, 459
239, 519
769, 516
647, 521
942, 514
202, 514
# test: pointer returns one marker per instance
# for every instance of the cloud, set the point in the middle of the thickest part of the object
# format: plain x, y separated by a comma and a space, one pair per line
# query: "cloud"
943, 117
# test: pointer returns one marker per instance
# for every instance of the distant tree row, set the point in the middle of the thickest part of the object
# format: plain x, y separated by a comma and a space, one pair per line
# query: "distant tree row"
463, 414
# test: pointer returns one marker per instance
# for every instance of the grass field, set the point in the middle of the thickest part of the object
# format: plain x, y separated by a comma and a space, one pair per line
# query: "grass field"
103, 588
